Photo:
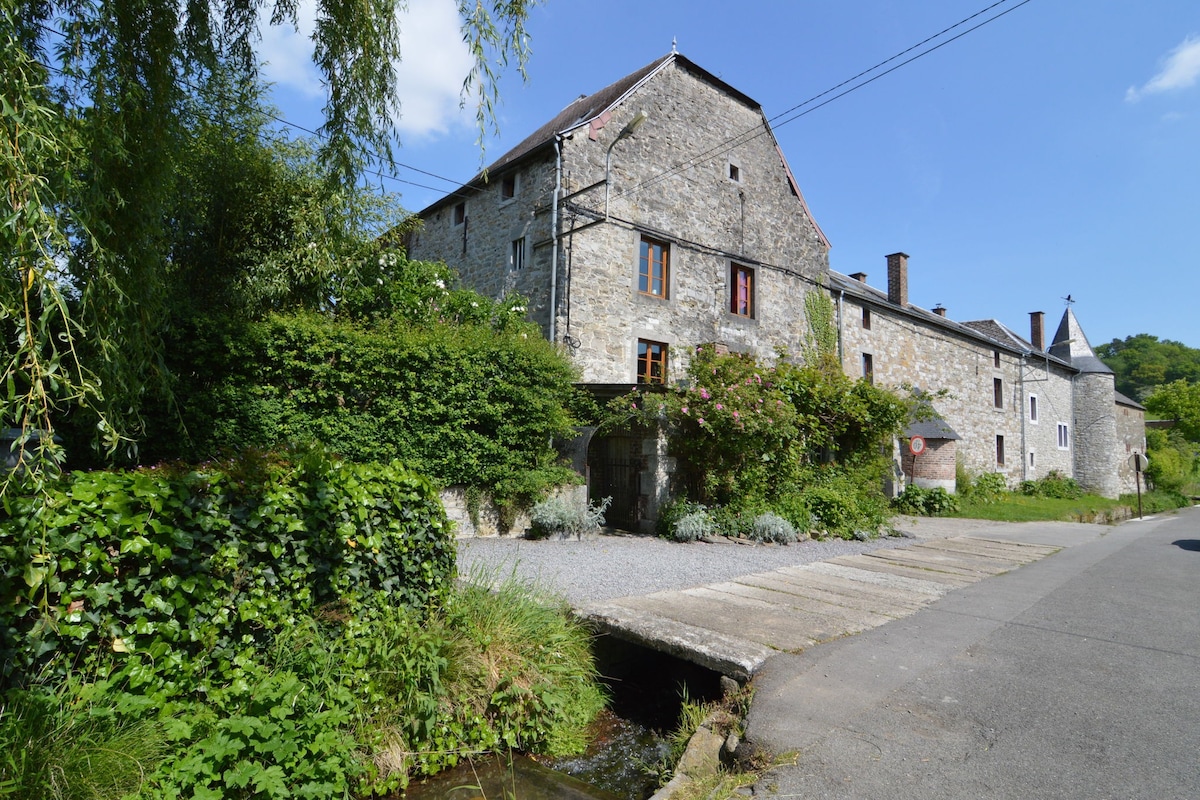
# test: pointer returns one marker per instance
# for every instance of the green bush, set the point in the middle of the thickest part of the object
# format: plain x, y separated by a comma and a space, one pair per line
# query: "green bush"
178, 572
988, 488
1052, 484
478, 402
925, 502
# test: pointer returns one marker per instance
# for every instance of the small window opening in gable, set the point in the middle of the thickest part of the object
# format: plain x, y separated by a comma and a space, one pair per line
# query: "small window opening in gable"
866, 318
508, 187
460, 213
998, 392
996, 359
651, 362
741, 291
735, 172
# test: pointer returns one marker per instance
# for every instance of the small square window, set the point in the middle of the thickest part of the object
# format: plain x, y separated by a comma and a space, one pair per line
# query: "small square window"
460, 213
508, 187
1000, 451
998, 392
741, 291
868, 368
866, 319
516, 259
651, 362
654, 268
735, 173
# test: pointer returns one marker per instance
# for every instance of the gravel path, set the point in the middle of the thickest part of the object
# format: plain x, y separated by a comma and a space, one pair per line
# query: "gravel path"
604, 567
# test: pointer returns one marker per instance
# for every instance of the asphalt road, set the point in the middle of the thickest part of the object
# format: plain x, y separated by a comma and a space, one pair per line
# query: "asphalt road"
1074, 677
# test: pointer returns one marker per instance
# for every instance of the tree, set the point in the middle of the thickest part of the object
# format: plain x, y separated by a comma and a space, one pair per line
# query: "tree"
96, 102
1180, 401
1143, 362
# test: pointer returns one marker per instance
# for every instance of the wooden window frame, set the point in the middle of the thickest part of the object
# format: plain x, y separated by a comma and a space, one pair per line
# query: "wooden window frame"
654, 273
651, 361
999, 450
509, 188
866, 318
459, 214
742, 290
998, 393
868, 368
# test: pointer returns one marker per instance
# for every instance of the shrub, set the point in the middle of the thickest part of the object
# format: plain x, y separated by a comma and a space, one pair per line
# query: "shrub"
564, 515
770, 527
670, 513
925, 502
1052, 484
693, 527
792, 507
988, 487
179, 571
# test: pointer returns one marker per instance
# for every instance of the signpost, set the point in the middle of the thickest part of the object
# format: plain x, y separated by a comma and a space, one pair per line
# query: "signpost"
916, 445
1140, 462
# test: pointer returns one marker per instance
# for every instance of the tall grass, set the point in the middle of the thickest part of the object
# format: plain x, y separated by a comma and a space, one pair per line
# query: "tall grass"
70, 745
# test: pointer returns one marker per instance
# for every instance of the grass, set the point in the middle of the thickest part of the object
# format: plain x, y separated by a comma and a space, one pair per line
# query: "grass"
1015, 507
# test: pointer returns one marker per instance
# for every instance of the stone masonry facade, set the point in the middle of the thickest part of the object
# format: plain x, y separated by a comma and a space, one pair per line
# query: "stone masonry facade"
659, 213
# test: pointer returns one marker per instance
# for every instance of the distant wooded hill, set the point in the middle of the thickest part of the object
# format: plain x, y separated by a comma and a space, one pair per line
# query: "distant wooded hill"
1143, 362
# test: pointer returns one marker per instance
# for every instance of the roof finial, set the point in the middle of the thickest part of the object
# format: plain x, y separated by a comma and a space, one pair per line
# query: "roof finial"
674, 43
1069, 301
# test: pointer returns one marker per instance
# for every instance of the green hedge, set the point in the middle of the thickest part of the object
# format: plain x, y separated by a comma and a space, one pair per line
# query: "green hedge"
464, 404
175, 574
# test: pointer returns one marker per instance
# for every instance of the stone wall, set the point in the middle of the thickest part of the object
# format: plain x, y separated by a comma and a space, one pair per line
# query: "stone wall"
1097, 448
708, 220
1131, 438
913, 349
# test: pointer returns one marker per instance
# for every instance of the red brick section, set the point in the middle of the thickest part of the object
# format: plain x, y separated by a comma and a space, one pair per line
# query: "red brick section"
936, 463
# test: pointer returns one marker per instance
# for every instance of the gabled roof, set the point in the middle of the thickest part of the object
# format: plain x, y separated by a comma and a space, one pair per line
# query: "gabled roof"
593, 108
1123, 400
999, 332
1071, 345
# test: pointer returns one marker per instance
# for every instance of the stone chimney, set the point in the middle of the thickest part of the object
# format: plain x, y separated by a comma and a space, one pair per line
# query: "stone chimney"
1037, 329
897, 265
940, 310
861, 277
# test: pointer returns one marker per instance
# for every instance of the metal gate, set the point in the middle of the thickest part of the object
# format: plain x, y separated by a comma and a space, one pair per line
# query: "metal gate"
614, 465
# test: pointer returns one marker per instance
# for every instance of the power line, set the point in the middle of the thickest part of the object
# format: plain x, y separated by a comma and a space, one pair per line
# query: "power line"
750, 134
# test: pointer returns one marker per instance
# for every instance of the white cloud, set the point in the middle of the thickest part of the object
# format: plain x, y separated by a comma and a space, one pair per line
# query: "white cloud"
1180, 70
429, 77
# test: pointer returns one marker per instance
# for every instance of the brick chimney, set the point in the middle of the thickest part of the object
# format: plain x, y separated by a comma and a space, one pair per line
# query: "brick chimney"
861, 277
897, 265
1037, 329
940, 310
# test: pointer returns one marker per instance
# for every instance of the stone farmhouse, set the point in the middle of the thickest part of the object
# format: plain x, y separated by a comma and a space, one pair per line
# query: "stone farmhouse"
659, 213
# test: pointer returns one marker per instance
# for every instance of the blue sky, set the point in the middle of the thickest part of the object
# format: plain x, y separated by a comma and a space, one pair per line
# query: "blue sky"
1053, 151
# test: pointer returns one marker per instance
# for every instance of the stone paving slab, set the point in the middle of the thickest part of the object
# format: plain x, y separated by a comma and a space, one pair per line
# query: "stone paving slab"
733, 626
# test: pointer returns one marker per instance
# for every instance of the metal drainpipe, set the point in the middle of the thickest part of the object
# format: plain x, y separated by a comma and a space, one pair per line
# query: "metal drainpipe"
554, 238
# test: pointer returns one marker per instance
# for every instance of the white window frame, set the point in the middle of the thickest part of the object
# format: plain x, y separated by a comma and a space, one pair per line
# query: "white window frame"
1064, 436
1033, 409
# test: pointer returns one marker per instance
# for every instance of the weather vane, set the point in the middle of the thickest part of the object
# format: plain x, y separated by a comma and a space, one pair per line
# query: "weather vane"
1069, 300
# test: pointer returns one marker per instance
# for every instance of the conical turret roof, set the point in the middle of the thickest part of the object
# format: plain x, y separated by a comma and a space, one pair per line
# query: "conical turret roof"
1071, 345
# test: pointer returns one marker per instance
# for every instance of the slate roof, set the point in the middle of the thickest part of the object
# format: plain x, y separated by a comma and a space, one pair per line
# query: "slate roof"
990, 332
931, 429
1071, 345
1127, 401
